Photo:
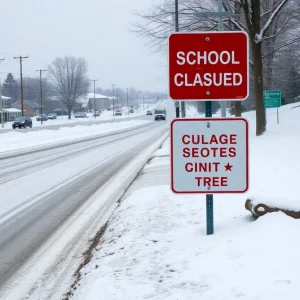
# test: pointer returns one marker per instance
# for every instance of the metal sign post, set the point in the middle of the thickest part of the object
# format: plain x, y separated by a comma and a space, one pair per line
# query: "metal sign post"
208, 114
209, 197
272, 99
201, 67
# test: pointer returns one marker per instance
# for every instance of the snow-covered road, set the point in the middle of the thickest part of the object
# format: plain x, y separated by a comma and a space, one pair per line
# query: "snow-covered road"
40, 191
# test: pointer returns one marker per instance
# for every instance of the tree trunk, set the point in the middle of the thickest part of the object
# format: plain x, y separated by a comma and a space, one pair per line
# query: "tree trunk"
69, 112
238, 109
258, 87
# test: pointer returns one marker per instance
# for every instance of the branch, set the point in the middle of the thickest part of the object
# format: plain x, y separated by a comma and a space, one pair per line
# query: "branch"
237, 24
259, 37
282, 46
278, 31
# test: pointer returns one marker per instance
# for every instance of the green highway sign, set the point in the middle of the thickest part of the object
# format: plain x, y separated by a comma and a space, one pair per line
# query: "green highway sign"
272, 98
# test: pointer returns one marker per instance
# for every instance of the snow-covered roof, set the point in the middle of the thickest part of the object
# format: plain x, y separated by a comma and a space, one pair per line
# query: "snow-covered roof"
85, 100
97, 95
6, 98
11, 110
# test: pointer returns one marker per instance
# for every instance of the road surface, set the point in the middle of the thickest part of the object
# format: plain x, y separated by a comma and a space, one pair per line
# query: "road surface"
39, 191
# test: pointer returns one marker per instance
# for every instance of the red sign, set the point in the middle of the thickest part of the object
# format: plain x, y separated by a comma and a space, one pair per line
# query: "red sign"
209, 155
209, 66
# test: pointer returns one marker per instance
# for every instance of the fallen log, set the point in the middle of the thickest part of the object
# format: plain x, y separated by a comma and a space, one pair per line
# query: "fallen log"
260, 209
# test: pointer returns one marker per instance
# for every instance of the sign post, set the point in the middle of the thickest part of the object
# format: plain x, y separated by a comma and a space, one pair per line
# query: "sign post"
208, 66
272, 98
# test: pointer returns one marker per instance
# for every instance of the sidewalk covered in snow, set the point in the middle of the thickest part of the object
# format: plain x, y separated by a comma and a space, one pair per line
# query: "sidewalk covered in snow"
155, 245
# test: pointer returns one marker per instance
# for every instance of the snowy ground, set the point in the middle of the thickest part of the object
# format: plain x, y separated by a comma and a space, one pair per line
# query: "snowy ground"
155, 245
106, 115
17, 140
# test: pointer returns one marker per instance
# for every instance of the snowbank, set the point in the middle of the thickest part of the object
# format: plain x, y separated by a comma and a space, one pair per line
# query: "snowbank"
156, 247
17, 140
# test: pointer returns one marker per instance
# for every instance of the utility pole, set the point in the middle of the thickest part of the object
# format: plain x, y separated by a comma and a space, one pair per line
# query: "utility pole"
117, 90
1, 101
94, 80
127, 101
113, 91
41, 93
143, 102
21, 79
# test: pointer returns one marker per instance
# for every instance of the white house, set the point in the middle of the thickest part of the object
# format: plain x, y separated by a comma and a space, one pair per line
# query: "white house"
88, 103
9, 114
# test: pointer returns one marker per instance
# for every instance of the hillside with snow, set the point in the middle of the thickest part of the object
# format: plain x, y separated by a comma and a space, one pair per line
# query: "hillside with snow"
155, 245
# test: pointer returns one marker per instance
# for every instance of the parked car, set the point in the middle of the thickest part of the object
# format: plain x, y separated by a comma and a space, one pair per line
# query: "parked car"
118, 113
52, 116
108, 108
149, 113
22, 122
43, 117
80, 115
97, 114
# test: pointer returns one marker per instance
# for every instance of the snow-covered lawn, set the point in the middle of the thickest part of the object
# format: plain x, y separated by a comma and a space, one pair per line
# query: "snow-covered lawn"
17, 140
156, 247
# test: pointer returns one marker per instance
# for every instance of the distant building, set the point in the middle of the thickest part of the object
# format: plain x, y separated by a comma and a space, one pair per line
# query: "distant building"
101, 102
6, 102
31, 107
9, 114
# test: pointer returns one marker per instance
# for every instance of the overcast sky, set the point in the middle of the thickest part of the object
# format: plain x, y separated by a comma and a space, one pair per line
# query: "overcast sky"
94, 29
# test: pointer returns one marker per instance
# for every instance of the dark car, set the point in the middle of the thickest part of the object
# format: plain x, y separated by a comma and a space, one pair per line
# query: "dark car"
43, 117
131, 110
22, 122
52, 116
118, 113
149, 113
159, 114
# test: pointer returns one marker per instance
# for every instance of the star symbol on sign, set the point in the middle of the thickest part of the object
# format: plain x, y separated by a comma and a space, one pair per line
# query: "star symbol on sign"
228, 167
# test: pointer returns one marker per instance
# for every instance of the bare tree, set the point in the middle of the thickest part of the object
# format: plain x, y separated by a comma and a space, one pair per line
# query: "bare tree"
258, 24
69, 75
269, 24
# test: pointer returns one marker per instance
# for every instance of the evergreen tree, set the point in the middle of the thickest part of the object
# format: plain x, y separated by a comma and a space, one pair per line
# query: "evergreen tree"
10, 87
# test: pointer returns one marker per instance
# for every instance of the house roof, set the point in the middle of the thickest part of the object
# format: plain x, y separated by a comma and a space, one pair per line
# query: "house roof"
11, 110
32, 103
6, 98
85, 100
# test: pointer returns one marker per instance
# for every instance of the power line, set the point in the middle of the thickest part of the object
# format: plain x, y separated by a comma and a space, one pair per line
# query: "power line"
41, 93
21, 78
